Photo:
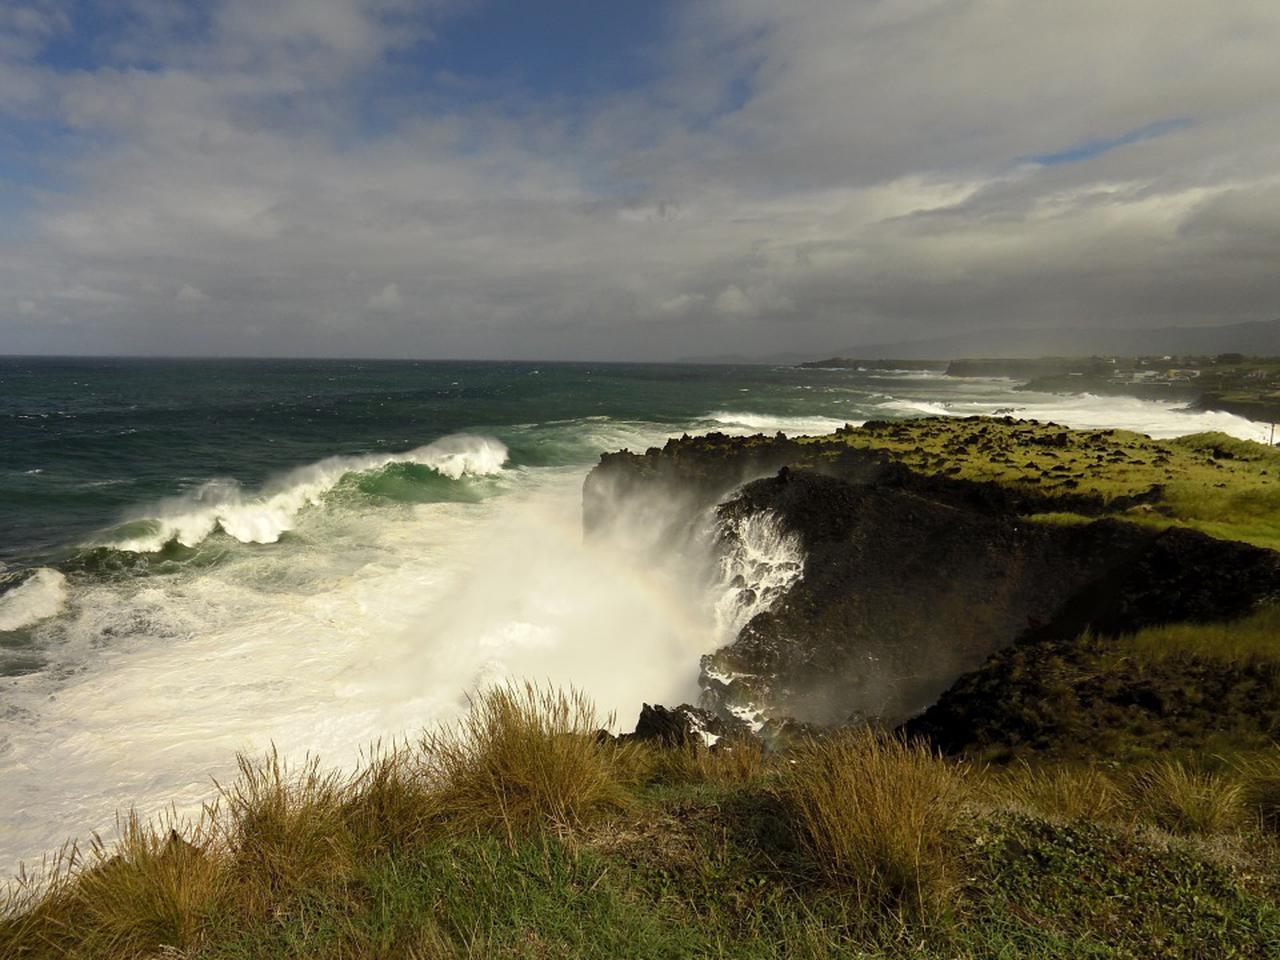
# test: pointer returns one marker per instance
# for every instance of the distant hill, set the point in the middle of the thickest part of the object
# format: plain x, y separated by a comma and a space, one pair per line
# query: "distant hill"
1258, 338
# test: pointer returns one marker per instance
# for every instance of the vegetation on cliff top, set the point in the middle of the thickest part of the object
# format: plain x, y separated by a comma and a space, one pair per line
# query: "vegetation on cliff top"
854, 845
1213, 482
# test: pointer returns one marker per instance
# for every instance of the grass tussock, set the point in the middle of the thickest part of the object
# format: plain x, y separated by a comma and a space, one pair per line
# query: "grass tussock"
151, 889
876, 813
1251, 638
1260, 775
1059, 791
524, 757
285, 828
1184, 798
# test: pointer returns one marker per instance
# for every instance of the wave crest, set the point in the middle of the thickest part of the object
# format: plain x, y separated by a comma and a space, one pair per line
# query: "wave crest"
263, 516
37, 598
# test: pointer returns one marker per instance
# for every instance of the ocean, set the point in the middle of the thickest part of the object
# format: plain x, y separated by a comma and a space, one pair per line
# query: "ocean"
199, 557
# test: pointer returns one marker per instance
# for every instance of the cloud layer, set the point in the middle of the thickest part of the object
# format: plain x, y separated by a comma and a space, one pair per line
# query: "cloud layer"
293, 177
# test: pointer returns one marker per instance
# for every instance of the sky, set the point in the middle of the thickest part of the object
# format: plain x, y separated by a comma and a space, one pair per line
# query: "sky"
628, 179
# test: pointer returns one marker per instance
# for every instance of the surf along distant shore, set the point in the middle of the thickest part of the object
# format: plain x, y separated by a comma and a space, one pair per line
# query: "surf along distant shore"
1231, 382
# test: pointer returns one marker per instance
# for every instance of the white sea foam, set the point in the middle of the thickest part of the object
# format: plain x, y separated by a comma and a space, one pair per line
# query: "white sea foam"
1085, 411
37, 598
760, 560
263, 516
750, 422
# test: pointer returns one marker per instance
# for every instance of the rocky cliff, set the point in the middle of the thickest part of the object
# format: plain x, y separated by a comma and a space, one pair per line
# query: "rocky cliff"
917, 575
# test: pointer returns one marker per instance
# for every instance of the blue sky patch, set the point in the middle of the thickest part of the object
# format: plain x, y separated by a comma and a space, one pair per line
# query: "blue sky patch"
1089, 149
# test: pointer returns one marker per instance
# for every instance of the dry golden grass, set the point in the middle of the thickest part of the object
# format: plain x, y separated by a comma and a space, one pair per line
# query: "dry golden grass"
284, 829
876, 813
152, 889
389, 804
523, 757
1059, 791
1181, 798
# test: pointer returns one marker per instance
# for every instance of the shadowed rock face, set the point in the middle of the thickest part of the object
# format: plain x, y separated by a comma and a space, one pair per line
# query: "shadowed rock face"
911, 581
902, 594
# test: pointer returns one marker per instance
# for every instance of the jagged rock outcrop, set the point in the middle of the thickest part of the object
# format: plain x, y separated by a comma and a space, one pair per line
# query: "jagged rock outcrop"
678, 726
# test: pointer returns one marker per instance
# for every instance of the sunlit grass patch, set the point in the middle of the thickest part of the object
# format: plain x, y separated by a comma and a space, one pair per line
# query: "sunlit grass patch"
1212, 482
523, 756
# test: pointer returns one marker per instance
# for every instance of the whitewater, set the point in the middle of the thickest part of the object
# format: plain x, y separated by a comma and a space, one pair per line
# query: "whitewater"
357, 597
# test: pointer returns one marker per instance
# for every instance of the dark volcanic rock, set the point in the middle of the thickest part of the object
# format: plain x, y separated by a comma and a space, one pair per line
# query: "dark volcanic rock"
676, 727
1077, 698
900, 595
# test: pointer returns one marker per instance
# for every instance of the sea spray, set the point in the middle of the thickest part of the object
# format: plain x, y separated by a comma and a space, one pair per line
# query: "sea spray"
759, 561
368, 623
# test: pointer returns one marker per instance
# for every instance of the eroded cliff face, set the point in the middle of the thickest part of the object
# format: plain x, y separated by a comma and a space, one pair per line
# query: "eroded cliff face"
911, 581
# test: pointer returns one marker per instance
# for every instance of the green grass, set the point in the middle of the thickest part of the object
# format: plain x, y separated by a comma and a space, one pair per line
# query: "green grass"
1213, 482
854, 845
1252, 638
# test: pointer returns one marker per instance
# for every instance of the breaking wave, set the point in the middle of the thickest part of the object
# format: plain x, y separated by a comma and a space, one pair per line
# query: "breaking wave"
263, 516
39, 597
766, 423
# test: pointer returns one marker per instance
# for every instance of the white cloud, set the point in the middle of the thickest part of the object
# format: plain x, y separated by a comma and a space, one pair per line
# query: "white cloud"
26, 306
189, 294
800, 176
387, 299
681, 303
732, 302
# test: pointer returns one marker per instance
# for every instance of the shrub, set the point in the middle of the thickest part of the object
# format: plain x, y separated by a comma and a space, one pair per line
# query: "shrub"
876, 812
522, 757
1183, 799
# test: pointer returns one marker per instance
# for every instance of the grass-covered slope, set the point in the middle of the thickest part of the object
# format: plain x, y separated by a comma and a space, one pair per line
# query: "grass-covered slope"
527, 834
